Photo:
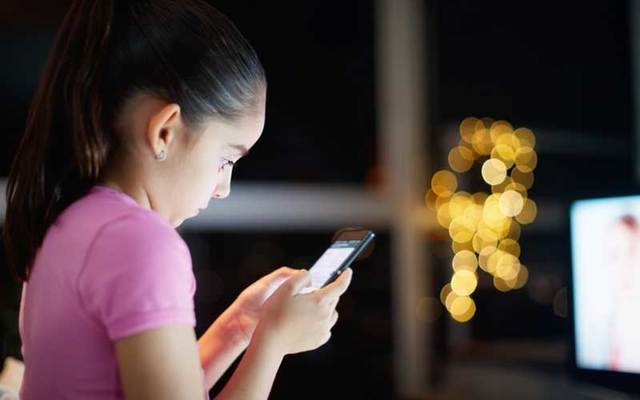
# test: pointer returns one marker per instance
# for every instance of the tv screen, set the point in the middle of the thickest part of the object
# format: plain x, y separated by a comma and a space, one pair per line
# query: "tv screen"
605, 241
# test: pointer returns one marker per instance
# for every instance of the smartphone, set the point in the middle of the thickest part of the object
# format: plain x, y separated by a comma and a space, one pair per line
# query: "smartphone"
347, 245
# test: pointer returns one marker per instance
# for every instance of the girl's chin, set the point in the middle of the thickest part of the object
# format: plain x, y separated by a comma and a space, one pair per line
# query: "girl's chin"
179, 221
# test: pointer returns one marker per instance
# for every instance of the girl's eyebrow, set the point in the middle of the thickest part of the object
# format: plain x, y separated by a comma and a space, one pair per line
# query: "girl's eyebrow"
240, 148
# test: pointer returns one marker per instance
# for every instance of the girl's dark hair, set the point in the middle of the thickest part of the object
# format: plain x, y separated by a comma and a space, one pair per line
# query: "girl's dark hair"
184, 51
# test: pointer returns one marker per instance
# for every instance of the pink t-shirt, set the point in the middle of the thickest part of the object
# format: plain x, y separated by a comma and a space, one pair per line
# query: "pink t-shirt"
107, 268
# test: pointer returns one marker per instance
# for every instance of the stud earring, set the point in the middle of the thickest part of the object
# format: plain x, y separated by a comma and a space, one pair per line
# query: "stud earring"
162, 156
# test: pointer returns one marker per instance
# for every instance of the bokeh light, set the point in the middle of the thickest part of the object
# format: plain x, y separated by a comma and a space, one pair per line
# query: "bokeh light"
498, 128
430, 199
514, 230
443, 216
458, 247
507, 267
521, 279
504, 153
468, 128
465, 260
500, 284
526, 159
525, 137
510, 246
484, 227
480, 242
528, 213
444, 292
524, 178
483, 257
481, 142
461, 159
462, 309
461, 229
502, 186
511, 203
444, 183
494, 171
464, 282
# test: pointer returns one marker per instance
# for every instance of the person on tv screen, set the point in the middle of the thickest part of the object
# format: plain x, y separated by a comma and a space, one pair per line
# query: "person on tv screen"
624, 327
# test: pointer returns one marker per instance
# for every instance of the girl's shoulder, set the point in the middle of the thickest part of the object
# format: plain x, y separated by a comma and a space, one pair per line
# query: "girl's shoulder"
107, 213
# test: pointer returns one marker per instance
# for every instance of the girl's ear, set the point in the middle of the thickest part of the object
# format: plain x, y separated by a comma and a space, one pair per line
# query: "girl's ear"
162, 127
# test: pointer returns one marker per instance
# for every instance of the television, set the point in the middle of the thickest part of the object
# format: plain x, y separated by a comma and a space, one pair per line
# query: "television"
605, 291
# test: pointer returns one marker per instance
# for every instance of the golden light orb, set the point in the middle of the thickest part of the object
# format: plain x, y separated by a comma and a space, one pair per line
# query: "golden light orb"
480, 243
460, 159
514, 230
492, 216
502, 186
464, 282
511, 203
481, 142
469, 151
444, 292
528, 213
517, 187
493, 171
451, 296
468, 128
462, 309
458, 247
520, 280
442, 216
522, 177
526, 159
442, 201
508, 139
498, 128
500, 284
504, 153
465, 260
461, 229
483, 257
510, 246
486, 234
479, 198
507, 267
525, 137
459, 203
430, 199
444, 183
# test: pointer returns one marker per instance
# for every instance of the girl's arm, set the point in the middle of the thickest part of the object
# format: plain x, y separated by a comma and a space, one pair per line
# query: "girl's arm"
257, 370
160, 364
219, 347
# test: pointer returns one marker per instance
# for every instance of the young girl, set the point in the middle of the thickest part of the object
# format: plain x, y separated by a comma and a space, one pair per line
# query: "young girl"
141, 113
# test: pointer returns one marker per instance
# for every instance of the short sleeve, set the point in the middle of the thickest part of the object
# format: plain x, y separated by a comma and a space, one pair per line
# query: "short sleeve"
137, 275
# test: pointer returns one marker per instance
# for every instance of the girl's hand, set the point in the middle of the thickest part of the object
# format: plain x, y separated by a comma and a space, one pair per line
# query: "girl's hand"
293, 322
246, 310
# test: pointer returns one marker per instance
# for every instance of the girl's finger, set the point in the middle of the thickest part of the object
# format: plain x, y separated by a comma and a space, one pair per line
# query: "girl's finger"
336, 288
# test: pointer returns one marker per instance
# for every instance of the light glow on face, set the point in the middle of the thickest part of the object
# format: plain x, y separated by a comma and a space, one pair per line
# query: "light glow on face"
208, 166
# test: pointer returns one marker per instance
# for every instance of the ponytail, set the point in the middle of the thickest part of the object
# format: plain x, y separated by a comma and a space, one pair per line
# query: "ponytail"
64, 145
184, 51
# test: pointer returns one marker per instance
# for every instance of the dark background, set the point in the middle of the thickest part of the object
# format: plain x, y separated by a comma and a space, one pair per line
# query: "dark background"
562, 69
